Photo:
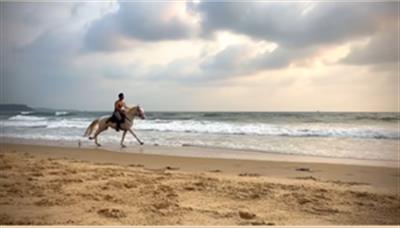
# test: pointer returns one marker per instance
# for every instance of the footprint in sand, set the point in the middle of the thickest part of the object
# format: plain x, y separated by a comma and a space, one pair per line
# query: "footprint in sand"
136, 165
111, 213
307, 178
303, 169
261, 223
215, 171
246, 215
249, 174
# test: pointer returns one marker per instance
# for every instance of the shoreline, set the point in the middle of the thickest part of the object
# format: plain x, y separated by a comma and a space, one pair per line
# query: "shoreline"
50, 185
384, 178
207, 152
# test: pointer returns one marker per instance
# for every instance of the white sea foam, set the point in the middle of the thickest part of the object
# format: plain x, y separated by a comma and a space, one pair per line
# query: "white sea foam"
27, 118
217, 127
44, 122
331, 147
68, 124
61, 113
214, 127
26, 112
359, 135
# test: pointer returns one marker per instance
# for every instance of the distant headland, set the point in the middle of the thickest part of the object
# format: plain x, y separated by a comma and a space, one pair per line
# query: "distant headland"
15, 107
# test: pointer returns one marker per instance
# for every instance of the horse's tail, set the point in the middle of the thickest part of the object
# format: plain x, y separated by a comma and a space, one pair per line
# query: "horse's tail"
91, 127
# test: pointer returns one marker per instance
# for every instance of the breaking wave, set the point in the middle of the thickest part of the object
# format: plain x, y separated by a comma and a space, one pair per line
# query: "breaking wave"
213, 127
65, 120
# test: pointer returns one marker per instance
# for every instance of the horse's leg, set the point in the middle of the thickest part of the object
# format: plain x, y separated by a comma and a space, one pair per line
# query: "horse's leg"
97, 133
130, 130
122, 139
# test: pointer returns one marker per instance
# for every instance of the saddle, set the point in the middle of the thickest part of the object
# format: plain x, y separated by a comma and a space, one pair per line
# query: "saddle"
112, 119
118, 118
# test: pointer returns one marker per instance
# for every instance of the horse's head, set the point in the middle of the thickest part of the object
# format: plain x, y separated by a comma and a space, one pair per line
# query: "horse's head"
136, 111
140, 112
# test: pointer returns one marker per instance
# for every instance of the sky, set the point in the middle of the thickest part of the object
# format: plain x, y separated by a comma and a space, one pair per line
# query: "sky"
202, 55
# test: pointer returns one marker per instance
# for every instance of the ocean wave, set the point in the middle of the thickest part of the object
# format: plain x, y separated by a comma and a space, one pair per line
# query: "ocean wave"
60, 113
213, 127
43, 137
379, 118
38, 124
218, 127
326, 147
43, 122
213, 114
27, 118
26, 112
68, 124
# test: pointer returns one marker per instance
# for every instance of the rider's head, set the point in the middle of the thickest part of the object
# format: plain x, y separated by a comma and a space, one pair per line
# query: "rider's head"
121, 96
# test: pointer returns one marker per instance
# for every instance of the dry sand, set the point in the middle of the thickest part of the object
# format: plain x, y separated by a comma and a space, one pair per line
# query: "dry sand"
44, 185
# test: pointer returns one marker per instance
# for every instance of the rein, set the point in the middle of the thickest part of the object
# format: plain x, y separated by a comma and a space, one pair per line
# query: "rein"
130, 120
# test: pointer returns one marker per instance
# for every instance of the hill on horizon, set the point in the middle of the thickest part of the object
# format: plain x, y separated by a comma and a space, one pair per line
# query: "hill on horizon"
15, 107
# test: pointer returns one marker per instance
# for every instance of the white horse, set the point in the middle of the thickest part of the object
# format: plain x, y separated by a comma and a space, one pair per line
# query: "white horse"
103, 124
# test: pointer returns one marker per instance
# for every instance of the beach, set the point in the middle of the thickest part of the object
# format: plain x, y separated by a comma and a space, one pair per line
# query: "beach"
200, 113
65, 185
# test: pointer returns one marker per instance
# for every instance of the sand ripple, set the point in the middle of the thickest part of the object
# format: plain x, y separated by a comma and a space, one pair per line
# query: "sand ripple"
62, 191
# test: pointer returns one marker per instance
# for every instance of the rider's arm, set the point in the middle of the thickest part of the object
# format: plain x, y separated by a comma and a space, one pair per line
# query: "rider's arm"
125, 107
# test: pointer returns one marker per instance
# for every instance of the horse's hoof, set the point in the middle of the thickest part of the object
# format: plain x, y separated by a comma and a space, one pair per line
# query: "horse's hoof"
141, 143
123, 146
91, 138
99, 145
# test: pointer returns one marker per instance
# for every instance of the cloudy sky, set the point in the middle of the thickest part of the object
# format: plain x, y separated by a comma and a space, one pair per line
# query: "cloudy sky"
202, 56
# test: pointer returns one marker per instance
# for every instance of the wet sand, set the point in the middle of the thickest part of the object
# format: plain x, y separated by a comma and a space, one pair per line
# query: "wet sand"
47, 185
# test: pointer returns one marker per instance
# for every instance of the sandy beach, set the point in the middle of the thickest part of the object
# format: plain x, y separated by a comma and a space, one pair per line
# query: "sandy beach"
200, 113
47, 185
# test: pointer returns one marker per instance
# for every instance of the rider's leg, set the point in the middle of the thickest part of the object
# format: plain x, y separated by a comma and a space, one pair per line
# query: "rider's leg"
121, 120
123, 117
118, 118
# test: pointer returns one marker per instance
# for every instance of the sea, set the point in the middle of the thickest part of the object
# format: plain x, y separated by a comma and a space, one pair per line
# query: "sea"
358, 135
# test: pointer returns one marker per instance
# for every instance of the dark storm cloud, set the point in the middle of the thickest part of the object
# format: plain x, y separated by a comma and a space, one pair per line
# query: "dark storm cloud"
299, 29
136, 21
235, 60
42, 44
231, 57
382, 49
103, 35
292, 25
35, 51
232, 61
41, 71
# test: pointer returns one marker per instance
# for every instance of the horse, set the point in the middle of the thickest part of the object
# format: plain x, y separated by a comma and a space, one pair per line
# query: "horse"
103, 123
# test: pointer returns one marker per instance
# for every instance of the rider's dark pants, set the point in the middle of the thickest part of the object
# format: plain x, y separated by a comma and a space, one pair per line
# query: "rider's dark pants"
120, 117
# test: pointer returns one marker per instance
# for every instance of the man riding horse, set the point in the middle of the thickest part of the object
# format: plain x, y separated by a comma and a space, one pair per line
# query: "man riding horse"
122, 119
119, 114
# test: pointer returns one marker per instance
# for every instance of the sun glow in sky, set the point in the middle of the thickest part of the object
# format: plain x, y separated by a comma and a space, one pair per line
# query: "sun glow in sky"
202, 56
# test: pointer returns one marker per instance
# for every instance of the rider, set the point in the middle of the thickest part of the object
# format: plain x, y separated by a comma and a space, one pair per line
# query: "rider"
119, 110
